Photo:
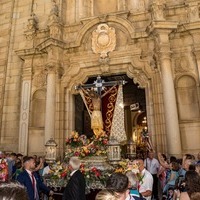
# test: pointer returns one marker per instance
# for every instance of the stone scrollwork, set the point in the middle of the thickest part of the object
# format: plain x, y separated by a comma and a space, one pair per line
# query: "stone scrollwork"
103, 40
181, 65
39, 80
51, 67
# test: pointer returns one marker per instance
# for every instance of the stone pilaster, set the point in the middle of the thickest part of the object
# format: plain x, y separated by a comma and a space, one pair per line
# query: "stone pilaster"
161, 31
194, 28
197, 55
69, 112
50, 101
24, 109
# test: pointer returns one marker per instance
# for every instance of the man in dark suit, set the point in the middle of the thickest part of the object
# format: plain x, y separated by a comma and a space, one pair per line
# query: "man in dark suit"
31, 180
75, 189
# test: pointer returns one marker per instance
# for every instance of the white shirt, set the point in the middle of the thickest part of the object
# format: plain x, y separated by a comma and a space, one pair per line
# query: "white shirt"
152, 165
73, 172
146, 183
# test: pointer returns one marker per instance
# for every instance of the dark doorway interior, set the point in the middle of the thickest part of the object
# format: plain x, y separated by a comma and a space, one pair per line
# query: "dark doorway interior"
132, 94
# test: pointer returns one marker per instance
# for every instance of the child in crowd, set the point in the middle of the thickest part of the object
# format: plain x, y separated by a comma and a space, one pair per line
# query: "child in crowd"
174, 168
170, 193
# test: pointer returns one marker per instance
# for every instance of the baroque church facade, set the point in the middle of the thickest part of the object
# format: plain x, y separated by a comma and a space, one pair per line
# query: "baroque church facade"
50, 46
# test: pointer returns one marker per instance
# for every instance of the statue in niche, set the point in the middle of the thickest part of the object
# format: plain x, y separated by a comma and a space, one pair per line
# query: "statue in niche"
32, 24
54, 22
31, 27
54, 14
157, 10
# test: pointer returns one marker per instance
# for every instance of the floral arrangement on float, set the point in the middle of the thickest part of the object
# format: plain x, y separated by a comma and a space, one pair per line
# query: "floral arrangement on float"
95, 178
57, 175
83, 147
3, 170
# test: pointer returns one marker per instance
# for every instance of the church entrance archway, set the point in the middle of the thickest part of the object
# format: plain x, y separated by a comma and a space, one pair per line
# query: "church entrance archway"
134, 104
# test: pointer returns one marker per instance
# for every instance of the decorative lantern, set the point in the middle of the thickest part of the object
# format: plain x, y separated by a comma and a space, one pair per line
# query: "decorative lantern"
131, 149
50, 151
114, 151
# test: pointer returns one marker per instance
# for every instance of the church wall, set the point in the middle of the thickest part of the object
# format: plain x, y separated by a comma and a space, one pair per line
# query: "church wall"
12, 75
136, 51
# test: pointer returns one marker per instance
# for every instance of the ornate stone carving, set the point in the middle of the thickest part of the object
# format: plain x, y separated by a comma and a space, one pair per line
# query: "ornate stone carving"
51, 67
30, 32
54, 14
157, 8
39, 80
54, 22
193, 12
137, 5
103, 40
181, 65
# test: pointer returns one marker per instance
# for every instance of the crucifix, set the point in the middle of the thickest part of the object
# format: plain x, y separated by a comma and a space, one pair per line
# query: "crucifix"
94, 91
99, 84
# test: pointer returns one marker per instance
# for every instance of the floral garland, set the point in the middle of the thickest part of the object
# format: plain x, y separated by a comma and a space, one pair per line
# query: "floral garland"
59, 174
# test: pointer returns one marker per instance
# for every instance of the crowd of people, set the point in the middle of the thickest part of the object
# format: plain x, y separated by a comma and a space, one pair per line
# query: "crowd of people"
160, 178
173, 179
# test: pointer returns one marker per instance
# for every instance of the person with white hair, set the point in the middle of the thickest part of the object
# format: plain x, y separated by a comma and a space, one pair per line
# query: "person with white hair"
75, 189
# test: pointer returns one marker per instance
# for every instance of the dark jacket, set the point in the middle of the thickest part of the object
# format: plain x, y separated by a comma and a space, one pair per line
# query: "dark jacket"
75, 189
25, 180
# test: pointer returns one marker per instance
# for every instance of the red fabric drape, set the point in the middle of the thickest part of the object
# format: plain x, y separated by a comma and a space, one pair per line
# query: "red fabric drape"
108, 107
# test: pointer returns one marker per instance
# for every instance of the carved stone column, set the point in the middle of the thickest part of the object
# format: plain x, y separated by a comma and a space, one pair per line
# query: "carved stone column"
161, 31
50, 101
24, 109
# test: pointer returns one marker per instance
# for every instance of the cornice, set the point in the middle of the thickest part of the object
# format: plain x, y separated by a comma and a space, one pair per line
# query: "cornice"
22, 53
189, 26
51, 42
162, 25
41, 48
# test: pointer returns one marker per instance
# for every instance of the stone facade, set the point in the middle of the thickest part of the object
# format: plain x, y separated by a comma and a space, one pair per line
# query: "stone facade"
49, 46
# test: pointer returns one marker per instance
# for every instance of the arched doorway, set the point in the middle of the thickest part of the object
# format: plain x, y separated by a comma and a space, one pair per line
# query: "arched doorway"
132, 95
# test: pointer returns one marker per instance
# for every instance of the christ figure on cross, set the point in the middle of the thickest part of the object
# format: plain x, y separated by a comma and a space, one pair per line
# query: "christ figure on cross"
96, 96
96, 115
